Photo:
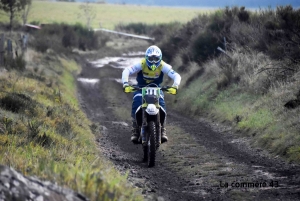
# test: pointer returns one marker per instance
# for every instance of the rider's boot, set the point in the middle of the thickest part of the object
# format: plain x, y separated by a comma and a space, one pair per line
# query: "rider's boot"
164, 137
134, 132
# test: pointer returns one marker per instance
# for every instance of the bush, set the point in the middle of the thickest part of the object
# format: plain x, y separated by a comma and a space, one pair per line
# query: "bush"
204, 46
57, 36
271, 33
243, 15
217, 22
179, 37
136, 28
41, 44
201, 36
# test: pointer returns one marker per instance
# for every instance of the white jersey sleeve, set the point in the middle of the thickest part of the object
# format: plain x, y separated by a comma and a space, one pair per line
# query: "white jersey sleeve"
129, 71
167, 69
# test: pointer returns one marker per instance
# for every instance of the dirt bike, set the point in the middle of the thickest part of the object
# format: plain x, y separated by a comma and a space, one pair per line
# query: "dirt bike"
150, 116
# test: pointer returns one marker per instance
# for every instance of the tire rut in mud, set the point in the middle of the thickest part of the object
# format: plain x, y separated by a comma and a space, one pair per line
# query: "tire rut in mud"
201, 161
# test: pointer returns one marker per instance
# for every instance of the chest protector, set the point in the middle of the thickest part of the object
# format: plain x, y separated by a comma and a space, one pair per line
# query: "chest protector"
147, 76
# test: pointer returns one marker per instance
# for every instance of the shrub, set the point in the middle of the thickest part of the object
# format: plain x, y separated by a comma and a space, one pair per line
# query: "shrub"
179, 37
229, 72
58, 36
217, 22
41, 44
271, 25
243, 15
275, 33
204, 46
201, 36
136, 28
35, 23
69, 38
231, 12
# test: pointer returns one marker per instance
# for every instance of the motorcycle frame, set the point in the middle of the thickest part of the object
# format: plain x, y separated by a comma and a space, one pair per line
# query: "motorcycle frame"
147, 117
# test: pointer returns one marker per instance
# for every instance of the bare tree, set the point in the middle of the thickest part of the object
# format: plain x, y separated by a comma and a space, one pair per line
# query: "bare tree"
13, 7
87, 12
25, 11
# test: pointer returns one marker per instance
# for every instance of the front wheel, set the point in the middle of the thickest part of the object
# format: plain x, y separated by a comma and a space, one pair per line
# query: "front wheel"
151, 144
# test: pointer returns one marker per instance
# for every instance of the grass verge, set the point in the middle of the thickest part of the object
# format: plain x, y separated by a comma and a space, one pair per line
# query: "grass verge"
260, 116
43, 132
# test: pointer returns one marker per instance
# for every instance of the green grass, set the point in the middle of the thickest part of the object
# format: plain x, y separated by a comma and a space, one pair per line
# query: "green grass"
53, 139
109, 15
68, 81
262, 117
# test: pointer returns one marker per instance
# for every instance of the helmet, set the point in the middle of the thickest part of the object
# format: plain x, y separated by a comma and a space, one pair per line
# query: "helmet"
153, 57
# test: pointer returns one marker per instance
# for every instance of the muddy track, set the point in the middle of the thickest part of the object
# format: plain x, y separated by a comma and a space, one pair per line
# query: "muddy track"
201, 161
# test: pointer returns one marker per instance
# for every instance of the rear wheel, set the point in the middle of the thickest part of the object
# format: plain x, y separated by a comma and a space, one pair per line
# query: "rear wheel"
151, 144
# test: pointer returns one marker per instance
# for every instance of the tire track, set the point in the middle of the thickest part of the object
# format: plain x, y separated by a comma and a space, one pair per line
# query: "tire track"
202, 161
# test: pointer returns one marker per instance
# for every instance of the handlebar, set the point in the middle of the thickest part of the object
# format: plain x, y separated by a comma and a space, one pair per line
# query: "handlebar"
134, 88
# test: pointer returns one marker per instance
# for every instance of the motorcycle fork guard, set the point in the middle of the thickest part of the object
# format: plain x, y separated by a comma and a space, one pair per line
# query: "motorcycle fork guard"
158, 130
144, 128
144, 131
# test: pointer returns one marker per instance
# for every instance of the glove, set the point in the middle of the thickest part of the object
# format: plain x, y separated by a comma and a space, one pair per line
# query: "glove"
126, 87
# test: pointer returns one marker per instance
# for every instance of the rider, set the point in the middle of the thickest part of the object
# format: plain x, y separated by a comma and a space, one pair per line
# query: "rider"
150, 70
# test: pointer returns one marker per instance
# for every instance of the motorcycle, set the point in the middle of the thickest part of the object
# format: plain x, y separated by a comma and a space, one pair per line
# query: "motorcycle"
149, 118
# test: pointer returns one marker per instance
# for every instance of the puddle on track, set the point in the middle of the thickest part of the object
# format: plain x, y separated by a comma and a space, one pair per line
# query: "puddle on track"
88, 80
116, 62
120, 123
134, 54
131, 80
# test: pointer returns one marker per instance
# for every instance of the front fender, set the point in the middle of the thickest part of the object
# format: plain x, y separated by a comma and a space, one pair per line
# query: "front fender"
152, 109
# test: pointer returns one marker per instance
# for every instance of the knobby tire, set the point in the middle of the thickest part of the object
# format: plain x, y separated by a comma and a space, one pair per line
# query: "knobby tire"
152, 147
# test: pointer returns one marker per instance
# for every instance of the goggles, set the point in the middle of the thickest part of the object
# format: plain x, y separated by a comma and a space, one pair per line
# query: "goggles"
153, 59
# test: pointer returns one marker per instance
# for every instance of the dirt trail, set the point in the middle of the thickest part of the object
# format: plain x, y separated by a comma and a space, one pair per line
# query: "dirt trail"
201, 161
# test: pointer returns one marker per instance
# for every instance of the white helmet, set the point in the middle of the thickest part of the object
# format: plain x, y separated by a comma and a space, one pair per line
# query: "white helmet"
153, 57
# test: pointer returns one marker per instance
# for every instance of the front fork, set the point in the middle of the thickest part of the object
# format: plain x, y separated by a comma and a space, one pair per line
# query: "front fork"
144, 135
158, 130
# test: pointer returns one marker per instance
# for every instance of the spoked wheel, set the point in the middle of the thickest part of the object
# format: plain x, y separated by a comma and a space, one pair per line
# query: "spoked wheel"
151, 145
